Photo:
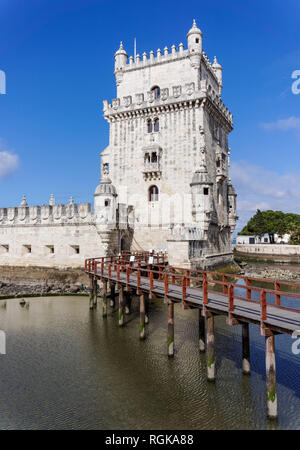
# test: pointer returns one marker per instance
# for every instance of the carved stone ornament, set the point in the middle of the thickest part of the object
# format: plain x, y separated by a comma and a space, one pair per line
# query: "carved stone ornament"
164, 94
176, 91
127, 101
115, 103
190, 88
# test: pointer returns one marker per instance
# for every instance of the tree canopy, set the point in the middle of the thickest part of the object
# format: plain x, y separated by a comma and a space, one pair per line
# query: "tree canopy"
271, 222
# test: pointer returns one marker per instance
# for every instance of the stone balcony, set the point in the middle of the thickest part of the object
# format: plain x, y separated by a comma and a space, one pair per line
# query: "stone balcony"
152, 171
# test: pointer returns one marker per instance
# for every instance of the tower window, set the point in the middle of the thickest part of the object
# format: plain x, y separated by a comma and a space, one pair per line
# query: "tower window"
205, 191
197, 40
106, 202
156, 125
76, 249
154, 157
156, 90
105, 168
149, 126
153, 193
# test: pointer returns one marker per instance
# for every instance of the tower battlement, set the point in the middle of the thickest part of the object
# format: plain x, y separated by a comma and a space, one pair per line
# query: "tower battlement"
177, 53
174, 95
46, 214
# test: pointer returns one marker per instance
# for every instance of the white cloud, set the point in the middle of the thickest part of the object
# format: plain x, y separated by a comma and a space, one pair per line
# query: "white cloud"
8, 163
291, 123
258, 188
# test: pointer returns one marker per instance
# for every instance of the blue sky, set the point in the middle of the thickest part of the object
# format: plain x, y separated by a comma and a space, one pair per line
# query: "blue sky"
58, 60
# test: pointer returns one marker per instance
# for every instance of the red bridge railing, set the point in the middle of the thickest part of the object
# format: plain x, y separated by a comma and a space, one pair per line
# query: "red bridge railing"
207, 281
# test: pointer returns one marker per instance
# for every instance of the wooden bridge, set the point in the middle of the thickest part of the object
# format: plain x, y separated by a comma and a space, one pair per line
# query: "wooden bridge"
212, 293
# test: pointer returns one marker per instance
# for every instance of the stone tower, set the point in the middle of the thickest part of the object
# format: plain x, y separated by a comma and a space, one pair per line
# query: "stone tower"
167, 159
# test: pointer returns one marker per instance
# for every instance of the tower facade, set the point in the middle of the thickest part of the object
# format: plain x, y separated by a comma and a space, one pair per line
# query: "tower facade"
168, 156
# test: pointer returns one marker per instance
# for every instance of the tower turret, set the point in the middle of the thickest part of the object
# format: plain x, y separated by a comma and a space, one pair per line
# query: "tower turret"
105, 210
121, 58
232, 207
218, 71
202, 197
105, 203
194, 38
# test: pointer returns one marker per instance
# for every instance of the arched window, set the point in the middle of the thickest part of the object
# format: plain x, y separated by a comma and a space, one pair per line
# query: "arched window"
149, 126
156, 90
156, 125
153, 193
154, 157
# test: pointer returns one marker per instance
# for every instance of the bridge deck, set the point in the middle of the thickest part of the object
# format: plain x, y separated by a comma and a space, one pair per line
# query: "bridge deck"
278, 318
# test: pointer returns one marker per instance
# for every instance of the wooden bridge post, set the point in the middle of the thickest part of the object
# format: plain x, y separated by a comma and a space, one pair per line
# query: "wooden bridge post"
210, 347
271, 376
127, 295
246, 348
171, 329
121, 305
112, 294
95, 292
201, 331
142, 316
104, 298
146, 308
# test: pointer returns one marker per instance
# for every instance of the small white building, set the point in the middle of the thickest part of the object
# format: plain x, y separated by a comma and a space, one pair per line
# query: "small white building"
240, 239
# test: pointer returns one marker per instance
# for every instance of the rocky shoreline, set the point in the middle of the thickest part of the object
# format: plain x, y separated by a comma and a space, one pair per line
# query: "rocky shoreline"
35, 281
271, 271
42, 281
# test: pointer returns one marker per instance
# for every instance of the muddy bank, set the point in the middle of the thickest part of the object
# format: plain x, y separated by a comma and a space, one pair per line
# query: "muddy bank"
22, 281
283, 272
32, 281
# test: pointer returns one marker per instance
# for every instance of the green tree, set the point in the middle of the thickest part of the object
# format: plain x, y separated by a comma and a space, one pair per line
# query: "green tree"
273, 222
256, 225
295, 236
259, 226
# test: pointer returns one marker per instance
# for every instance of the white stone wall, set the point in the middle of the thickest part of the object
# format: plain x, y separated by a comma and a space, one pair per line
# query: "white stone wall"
269, 249
60, 235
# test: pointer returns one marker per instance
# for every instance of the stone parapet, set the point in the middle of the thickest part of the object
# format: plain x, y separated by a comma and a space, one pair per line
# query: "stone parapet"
47, 214
185, 95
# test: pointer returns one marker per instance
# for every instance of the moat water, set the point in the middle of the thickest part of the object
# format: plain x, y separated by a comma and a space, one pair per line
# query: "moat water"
68, 368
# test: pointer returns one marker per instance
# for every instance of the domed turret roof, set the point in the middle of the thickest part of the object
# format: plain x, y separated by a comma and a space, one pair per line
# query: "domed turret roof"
231, 190
200, 176
24, 201
121, 50
106, 188
194, 29
216, 65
